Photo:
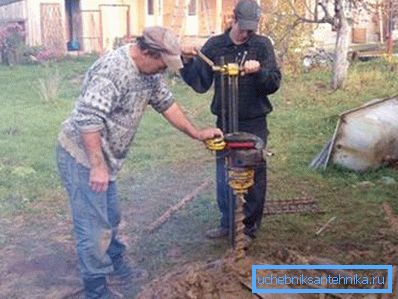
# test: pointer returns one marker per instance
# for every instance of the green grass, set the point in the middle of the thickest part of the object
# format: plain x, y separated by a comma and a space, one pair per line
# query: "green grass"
28, 130
304, 118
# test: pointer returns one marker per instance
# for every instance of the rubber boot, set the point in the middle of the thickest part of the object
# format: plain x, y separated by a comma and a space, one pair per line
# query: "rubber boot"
95, 288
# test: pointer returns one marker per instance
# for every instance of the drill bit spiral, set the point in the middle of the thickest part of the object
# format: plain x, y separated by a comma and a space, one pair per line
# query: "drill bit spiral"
240, 180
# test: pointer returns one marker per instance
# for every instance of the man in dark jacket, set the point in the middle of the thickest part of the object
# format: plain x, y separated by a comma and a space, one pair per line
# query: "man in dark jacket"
262, 78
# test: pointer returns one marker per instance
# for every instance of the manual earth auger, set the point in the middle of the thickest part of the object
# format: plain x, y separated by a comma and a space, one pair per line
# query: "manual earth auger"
243, 151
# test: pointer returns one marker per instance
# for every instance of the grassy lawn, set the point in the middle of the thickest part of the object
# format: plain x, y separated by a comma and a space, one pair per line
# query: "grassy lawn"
164, 165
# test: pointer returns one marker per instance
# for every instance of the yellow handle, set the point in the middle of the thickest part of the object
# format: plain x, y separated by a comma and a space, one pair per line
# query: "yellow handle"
215, 144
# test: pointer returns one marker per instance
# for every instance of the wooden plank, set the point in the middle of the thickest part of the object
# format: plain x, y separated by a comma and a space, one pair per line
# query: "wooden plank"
189, 197
52, 27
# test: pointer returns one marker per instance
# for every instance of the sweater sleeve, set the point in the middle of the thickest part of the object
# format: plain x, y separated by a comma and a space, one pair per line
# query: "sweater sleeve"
161, 98
94, 103
197, 73
269, 77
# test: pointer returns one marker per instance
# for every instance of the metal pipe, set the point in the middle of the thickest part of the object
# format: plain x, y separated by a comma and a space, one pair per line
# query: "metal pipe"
222, 96
235, 112
230, 106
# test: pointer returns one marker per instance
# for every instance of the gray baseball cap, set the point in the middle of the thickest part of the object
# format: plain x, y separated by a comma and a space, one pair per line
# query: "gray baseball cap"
167, 43
247, 14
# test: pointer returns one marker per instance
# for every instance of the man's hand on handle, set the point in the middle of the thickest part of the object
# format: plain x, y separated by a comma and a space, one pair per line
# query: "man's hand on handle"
189, 51
178, 119
209, 133
251, 66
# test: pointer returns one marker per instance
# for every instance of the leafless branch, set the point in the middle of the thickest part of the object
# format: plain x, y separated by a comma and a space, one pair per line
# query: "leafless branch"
326, 19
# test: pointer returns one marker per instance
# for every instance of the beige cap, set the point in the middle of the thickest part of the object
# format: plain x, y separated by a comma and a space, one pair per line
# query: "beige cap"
164, 40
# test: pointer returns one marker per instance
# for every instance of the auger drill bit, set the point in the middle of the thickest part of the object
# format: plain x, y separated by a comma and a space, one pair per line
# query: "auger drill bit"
244, 152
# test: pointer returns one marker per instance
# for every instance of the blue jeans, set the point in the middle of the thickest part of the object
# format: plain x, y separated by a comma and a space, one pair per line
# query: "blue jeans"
255, 199
96, 216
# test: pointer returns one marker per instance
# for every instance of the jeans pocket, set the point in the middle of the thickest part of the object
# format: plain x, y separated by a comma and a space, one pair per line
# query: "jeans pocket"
66, 169
62, 163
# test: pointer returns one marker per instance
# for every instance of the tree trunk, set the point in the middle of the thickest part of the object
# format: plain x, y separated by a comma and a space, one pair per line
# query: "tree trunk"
340, 65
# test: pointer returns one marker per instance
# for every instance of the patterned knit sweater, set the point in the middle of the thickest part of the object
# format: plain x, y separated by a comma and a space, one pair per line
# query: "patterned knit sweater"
113, 100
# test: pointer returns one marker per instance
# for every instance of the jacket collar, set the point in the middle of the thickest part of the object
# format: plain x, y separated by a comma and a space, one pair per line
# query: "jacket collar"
228, 41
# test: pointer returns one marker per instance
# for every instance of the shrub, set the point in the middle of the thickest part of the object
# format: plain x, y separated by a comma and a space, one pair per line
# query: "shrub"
48, 86
12, 42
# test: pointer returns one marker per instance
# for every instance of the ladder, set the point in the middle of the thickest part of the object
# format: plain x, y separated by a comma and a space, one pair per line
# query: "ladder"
179, 17
207, 17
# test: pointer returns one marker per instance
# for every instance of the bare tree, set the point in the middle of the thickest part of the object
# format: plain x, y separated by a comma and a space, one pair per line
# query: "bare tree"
340, 64
331, 12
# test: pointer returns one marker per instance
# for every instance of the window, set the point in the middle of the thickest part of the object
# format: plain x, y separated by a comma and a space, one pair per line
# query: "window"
192, 8
150, 8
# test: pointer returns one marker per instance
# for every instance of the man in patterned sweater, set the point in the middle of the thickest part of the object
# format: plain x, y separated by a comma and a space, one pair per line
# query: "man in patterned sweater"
262, 78
94, 141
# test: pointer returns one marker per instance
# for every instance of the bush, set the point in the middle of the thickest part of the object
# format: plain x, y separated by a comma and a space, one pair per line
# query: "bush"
12, 43
48, 86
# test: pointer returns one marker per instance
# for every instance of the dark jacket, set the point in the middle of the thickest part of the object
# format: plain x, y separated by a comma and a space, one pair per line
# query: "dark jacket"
253, 88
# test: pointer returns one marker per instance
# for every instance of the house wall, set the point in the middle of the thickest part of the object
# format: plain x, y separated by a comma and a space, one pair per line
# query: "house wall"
168, 7
169, 13
138, 19
365, 23
105, 20
364, 26
174, 15
227, 11
35, 21
210, 18
38, 14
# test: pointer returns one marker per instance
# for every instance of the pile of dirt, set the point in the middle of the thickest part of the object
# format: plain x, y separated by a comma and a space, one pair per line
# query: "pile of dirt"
218, 279
200, 280
226, 278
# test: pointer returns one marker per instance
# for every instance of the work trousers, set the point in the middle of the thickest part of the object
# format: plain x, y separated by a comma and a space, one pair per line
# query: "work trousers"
255, 198
96, 216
